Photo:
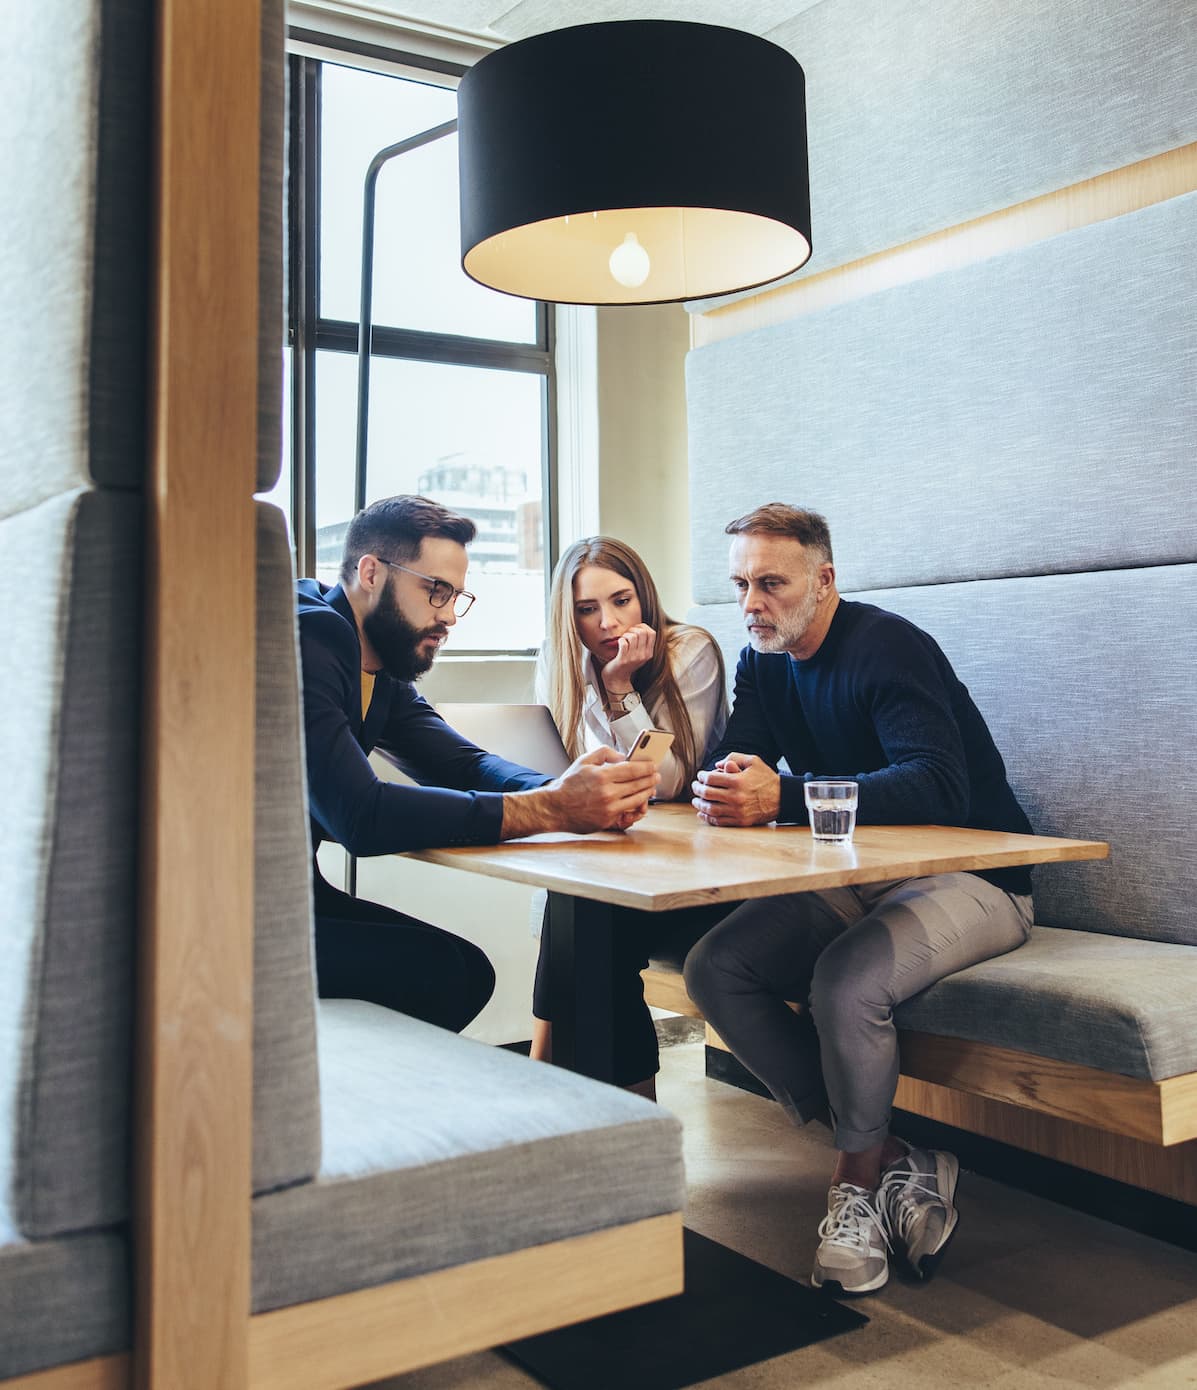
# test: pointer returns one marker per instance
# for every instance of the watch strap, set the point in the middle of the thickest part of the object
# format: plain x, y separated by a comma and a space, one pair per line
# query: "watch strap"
624, 704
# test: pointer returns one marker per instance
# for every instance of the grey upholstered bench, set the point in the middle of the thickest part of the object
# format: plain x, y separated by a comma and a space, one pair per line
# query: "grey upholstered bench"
1081, 1045
414, 1195
439, 1194
1023, 493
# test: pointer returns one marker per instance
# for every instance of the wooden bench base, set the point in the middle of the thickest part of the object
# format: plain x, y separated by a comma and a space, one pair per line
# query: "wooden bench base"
1139, 1132
358, 1337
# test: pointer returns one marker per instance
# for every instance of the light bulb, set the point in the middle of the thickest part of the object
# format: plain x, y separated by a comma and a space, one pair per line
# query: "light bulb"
629, 262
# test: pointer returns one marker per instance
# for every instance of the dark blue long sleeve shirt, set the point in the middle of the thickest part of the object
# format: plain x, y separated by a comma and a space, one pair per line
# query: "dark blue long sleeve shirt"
880, 703
459, 801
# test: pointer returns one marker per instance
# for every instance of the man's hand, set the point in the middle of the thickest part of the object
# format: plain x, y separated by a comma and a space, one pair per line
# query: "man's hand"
599, 791
742, 789
635, 648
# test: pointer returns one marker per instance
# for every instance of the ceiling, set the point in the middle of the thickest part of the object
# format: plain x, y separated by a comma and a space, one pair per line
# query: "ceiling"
501, 21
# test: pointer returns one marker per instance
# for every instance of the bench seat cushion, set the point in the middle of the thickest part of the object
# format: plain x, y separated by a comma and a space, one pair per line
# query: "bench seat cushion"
1100, 1001
438, 1150
62, 1300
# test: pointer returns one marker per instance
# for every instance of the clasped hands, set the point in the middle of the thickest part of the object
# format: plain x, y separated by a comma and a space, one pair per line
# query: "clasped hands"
740, 789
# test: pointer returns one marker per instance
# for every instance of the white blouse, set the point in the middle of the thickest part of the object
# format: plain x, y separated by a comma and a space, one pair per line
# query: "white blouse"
697, 670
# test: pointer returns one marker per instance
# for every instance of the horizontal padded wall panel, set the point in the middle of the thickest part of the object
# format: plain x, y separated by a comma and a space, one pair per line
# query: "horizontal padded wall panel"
1035, 412
1086, 683
924, 115
74, 238
70, 670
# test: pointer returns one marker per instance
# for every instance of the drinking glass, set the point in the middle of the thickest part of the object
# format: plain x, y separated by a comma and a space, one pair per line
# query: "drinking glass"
831, 806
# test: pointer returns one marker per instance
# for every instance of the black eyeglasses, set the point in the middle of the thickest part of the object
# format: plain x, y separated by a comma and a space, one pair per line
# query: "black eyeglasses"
440, 591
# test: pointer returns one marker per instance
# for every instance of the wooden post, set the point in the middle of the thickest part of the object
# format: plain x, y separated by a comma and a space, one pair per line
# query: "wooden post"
193, 1146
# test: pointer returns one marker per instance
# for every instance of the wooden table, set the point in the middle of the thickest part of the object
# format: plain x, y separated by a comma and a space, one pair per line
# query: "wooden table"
670, 859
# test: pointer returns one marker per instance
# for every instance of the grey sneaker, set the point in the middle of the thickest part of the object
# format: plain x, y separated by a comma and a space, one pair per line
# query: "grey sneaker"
917, 1198
853, 1241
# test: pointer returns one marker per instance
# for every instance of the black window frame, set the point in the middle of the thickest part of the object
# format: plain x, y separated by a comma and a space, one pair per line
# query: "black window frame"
308, 332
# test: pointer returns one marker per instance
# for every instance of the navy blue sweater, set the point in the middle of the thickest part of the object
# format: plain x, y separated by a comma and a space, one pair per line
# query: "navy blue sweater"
460, 800
878, 702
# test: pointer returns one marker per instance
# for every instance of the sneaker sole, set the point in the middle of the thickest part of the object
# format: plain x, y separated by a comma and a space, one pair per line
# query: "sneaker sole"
947, 1176
926, 1268
829, 1285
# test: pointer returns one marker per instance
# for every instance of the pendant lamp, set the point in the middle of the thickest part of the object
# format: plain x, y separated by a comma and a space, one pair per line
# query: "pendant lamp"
634, 162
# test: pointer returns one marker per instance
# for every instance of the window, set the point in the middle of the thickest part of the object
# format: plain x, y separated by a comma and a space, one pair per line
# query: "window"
461, 380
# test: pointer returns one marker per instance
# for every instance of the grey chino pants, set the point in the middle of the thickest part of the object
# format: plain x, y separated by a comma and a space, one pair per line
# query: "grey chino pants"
852, 955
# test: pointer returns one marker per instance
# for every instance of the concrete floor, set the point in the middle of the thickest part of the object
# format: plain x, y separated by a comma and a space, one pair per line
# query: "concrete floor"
1030, 1294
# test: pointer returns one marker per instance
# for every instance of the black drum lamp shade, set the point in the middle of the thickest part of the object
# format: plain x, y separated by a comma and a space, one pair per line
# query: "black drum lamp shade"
635, 162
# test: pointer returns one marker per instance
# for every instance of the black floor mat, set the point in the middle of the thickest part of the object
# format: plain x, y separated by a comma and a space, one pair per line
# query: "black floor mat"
733, 1313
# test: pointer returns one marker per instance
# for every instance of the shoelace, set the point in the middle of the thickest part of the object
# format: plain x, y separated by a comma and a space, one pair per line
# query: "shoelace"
849, 1219
900, 1213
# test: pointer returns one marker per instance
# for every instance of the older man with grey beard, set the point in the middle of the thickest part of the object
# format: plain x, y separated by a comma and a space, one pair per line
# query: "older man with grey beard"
845, 689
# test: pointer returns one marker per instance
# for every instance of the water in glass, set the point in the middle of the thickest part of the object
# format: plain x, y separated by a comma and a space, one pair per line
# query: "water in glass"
833, 821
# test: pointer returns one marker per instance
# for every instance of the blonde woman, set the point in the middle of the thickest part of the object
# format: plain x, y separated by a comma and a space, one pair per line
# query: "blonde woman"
613, 664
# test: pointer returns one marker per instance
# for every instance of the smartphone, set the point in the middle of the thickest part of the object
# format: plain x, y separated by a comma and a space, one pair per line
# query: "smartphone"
652, 745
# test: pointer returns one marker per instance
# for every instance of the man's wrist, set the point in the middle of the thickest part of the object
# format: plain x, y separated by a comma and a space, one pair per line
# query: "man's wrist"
527, 813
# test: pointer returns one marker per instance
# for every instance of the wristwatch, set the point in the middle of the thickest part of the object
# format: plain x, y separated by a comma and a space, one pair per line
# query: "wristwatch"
623, 704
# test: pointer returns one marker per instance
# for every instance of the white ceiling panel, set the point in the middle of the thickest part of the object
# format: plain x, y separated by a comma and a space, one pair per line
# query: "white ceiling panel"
510, 21
538, 16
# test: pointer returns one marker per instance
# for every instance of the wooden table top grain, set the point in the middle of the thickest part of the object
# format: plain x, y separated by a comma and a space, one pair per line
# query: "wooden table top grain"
671, 859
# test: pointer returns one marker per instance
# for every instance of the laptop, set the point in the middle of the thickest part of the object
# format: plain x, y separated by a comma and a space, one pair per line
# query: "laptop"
522, 734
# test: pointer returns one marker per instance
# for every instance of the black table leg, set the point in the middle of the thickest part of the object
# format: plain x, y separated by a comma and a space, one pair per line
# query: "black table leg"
581, 960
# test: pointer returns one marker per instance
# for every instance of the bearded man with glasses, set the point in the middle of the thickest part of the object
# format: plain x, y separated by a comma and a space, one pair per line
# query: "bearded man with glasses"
363, 644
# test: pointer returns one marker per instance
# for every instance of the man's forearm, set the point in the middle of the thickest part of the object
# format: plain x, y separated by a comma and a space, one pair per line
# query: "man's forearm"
528, 813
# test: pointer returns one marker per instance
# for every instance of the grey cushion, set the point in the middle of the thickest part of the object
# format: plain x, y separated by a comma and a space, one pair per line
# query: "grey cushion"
75, 169
286, 1086
1033, 413
925, 116
1122, 1006
271, 246
1085, 681
70, 671
62, 1300
439, 1150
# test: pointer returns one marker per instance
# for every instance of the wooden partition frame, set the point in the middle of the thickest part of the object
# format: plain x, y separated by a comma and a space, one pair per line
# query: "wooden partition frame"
193, 1179
195, 955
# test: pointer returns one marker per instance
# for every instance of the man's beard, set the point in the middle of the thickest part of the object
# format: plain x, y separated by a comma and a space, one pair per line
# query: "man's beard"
397, 641
789, 629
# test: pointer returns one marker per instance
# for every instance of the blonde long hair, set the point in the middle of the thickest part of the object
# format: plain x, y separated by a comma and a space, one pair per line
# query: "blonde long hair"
563, 653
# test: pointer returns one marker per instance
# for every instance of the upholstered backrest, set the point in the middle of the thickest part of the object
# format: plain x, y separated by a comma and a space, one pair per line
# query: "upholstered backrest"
286, 1087
286, 1130
74, 266
74, 164
1005, 450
